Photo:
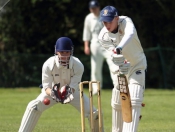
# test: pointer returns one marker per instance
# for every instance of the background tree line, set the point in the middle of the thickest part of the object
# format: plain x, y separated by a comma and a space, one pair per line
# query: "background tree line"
29, 29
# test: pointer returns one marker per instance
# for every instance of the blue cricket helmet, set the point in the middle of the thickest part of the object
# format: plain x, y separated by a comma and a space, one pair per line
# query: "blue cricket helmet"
63, 44
93, 4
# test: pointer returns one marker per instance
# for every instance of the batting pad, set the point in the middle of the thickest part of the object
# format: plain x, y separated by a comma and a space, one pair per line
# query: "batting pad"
117, 121
31, 116
136, 94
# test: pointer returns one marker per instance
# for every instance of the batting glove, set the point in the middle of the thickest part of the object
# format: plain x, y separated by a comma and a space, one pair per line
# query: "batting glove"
124, 68
118, 59
118, 50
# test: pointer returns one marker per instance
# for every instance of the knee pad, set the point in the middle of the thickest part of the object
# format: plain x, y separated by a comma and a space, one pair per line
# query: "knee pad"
35, 105
136, 94
115, 101
117, 121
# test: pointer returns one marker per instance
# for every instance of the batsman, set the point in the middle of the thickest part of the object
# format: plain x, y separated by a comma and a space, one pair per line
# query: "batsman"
61, 75
119, 37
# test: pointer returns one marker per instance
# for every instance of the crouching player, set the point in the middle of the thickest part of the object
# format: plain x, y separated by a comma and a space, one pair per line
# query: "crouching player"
60, 77
119, 33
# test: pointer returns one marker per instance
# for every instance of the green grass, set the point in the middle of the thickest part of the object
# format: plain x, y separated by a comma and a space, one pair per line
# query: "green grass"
157, 116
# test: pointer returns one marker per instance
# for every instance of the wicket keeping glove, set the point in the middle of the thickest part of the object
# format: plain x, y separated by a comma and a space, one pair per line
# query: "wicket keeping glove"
55, 93
66, 94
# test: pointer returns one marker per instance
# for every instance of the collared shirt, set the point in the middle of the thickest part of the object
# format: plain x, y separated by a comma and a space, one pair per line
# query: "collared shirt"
53, 72
92, 27
126, 37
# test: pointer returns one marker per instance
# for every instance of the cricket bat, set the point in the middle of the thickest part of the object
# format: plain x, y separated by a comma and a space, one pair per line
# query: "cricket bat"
124, 96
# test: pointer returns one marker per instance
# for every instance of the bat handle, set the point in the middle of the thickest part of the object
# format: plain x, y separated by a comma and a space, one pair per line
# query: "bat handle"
119, 50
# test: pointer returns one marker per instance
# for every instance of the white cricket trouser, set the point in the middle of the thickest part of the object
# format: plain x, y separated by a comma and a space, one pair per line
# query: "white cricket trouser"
36, 107
98, 55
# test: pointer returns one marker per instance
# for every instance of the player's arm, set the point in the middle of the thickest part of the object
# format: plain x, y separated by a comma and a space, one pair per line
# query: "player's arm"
87, 47
105, 41
86, 36
47, 78
129, 30
78, 70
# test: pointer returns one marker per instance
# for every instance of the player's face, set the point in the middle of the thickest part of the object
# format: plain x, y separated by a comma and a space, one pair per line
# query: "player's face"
111, 26
64, 57
95, 11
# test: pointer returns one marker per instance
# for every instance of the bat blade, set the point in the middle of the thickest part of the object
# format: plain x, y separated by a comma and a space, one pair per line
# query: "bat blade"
125, 98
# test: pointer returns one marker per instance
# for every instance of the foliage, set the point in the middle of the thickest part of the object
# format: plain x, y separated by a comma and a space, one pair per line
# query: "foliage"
32, 27
25, 69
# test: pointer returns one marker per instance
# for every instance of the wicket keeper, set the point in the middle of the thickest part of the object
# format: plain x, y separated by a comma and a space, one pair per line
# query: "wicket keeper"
61, 75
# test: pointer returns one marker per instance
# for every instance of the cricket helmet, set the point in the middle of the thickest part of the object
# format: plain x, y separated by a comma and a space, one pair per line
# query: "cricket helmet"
93, 4
64, 44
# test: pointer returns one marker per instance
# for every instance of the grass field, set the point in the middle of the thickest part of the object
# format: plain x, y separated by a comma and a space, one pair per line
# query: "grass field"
157, 116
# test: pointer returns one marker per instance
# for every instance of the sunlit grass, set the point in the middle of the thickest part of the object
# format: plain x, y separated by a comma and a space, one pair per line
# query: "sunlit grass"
157, 116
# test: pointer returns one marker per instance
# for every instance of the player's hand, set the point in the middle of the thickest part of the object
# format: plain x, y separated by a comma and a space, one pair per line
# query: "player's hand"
55, 93
118, 59
66, 94
124, 68
87, 50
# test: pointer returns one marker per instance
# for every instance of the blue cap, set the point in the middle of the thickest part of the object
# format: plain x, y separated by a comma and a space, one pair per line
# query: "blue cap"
93, 4
63, 44
108, 13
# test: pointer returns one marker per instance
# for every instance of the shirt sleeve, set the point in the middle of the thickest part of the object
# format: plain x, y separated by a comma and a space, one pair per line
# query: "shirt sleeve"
86, 30
47, 77
128, 28
78, 70
105, 41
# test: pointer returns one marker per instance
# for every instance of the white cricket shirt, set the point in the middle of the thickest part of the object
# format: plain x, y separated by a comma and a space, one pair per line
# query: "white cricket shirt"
126, 37
53, 72
92, 28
